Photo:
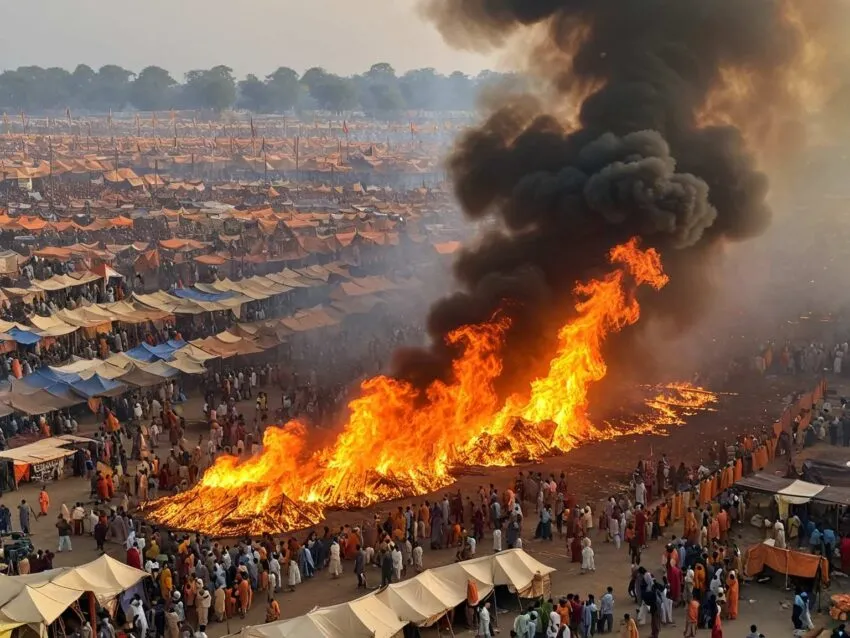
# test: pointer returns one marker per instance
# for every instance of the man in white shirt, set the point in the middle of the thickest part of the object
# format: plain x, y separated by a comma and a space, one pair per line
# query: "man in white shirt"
484, 621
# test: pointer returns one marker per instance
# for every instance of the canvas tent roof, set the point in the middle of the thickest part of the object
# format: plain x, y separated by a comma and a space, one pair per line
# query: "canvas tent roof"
423, 600
795, 491
39, 599
365, 617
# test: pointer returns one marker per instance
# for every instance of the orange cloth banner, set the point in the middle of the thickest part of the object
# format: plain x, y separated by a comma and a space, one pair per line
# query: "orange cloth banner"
785, 561
22, 472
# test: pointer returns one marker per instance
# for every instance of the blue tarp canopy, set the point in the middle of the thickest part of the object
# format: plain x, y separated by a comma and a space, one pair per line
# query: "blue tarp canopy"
64, 392
23, 337
142, 353
197, 295
148, 353
45, 377
98, 386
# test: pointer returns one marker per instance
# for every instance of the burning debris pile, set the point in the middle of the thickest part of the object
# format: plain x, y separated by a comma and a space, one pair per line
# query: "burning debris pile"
397, 444
669, 95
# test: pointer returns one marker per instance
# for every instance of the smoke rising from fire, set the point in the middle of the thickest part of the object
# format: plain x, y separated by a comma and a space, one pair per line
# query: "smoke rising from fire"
675, 95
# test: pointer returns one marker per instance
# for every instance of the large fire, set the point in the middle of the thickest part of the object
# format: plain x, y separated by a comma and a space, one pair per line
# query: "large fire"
399, 441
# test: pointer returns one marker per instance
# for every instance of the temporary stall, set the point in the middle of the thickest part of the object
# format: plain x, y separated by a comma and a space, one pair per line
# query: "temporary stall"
785, 561
37, 600
421, 600
39, 461
366, 617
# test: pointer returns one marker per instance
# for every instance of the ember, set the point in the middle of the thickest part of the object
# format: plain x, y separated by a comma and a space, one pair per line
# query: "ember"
399, 443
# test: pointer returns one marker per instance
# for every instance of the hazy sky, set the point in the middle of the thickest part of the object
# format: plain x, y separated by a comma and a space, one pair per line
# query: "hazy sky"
252, 36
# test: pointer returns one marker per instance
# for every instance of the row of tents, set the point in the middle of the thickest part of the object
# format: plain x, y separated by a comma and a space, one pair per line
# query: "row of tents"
60, 387
422, 600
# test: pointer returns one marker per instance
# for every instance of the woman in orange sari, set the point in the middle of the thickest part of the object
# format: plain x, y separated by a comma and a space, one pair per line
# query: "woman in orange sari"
732, 595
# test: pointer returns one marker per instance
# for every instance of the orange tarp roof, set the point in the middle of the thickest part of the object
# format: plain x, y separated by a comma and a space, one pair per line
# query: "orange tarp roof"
447, 247
122, 222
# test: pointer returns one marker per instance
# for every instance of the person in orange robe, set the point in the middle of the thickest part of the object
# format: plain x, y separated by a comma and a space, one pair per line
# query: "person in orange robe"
110, 486
699, 579
690, 530
244, 593
630, 629
732, 595
43, 501
17, 371
714, 530
723, 523
692, 618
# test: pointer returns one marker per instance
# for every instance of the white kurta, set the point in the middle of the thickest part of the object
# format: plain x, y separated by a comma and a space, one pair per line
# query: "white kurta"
335, 566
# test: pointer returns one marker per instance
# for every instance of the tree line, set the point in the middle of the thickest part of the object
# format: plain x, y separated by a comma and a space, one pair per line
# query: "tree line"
380, 90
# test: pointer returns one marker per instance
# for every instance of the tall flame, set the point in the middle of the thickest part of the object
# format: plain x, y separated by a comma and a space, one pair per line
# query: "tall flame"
400, 441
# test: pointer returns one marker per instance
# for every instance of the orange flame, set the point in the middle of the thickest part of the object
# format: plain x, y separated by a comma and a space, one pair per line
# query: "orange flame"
399, 441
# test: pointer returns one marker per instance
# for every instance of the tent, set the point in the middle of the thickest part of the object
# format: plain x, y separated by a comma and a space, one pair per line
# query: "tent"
785, 561
365, 617
795, 491
422, 600
98, 386
39, 599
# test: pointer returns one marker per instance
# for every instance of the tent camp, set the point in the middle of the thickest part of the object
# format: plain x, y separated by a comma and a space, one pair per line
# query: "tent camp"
421, 600
37, 600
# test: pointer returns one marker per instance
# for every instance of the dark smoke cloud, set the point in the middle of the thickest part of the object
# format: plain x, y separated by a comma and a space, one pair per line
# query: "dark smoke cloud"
642, 160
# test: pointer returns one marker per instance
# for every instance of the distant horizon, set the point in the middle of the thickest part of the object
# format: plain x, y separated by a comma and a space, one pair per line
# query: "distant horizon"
258, 38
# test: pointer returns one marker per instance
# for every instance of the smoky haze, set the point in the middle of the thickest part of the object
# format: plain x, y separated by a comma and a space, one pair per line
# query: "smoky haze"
252, 36
676, 98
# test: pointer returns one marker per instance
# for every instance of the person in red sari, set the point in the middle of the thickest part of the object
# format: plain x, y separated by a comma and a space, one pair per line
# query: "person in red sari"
164, 478
717, 630
674, 577
575, 549
845, 554
640, 527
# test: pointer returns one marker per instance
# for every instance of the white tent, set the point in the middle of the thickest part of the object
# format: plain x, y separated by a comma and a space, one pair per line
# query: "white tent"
421, 600
39, 599
365, 617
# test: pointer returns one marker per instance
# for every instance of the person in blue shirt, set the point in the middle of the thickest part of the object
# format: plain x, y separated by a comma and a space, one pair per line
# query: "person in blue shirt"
828, 543
815, 541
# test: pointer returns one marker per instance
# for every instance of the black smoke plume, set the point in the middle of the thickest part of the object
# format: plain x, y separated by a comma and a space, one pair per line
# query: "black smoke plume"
641, 159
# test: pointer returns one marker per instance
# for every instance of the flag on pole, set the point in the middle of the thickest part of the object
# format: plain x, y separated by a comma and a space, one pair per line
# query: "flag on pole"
345, 127
68, 115
412, 128
138, 126
109, 119
153, 121
253, 132
173, 115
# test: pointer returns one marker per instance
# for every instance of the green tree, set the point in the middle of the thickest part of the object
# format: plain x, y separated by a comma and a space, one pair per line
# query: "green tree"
313, 77
381, 72
111, 87
254, 94
213, 89
387, 97
335, 93
151, 90
420, 88
284, 89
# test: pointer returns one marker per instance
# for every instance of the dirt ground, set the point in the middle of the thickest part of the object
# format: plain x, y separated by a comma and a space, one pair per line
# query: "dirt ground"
594, 471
